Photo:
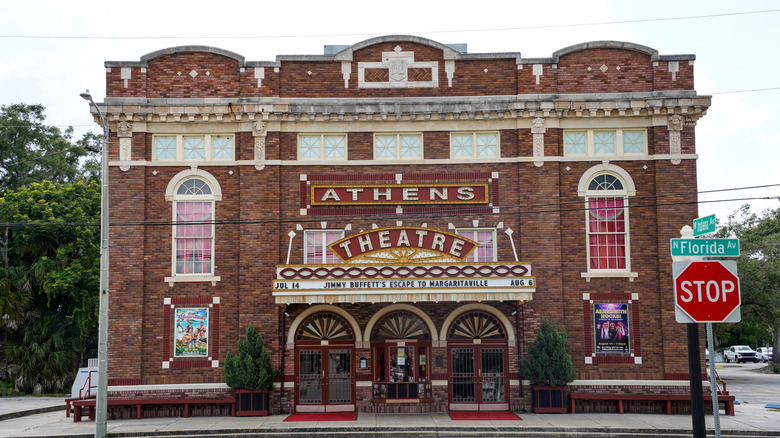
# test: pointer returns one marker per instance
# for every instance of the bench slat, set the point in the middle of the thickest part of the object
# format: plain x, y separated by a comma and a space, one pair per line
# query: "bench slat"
728, 400
139, 403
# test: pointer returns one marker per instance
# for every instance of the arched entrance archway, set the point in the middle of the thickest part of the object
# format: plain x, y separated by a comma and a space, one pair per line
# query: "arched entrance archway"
401, 352
477, 350
324, 356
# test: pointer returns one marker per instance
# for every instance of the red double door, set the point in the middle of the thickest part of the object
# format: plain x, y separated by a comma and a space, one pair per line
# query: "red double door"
325, 381
478, 379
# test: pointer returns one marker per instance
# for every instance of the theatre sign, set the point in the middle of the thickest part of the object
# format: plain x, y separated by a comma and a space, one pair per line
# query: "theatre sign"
403, 264
399, 194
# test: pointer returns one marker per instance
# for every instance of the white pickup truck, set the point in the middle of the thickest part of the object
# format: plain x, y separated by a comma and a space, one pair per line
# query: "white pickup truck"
764, 353
740, 353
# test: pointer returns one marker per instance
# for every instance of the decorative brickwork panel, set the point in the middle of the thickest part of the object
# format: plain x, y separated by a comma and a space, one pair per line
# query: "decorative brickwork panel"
420, 74
192, 74
377, 75
605, 71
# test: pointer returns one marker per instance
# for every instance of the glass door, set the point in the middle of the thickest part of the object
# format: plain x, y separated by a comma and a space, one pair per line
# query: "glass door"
339, 376
463, 375
491, 373
310, 374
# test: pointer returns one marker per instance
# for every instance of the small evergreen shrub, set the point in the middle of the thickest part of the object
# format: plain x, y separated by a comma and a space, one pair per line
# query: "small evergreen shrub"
547, 363
251, 367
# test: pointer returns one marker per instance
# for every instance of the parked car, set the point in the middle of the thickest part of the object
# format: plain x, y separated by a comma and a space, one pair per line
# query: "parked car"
706, 355
740, 353
764, 353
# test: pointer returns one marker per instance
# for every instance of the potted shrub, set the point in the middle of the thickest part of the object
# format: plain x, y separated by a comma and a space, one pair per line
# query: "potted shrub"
549, 369
250, 373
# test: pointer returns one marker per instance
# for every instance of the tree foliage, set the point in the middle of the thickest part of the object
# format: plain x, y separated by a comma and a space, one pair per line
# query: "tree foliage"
759, 273
49, 274
31, 151
547, 363
49, 280
251, 367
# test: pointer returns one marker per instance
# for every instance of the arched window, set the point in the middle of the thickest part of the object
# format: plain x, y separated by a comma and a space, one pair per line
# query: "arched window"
193, 228
607, 223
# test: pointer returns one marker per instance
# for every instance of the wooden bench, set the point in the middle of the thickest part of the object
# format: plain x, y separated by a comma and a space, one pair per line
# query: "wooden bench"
89, 404
728, 400
69, 401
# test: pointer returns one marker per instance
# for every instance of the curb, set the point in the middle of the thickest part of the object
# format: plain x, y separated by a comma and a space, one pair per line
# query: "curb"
10, 415
476, 432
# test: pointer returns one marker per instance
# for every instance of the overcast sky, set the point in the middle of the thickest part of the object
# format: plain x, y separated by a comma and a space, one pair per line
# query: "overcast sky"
50, 51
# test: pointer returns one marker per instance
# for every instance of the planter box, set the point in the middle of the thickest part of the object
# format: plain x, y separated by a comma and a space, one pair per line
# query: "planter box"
548, 399
251, 402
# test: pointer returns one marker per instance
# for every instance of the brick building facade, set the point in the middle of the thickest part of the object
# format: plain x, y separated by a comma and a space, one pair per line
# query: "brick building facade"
396, 217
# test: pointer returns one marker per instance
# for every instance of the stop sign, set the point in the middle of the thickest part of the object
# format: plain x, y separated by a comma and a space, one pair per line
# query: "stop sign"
706, 291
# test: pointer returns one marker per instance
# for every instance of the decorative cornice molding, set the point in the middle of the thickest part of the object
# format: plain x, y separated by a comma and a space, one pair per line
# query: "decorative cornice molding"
685, 103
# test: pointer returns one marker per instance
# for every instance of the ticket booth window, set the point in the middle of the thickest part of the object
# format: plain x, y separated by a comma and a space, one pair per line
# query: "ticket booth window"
401, 353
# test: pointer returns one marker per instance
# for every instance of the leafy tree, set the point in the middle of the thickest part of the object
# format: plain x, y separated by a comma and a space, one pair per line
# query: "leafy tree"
31, 151
49, 279
547, 363
45, 354
251, 367
759, 274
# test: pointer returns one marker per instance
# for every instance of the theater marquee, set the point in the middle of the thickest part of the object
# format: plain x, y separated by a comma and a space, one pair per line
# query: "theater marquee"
403, 264
399, 194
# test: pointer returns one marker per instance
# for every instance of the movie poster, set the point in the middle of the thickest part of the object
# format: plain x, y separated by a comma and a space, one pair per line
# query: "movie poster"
191, 332
611, 328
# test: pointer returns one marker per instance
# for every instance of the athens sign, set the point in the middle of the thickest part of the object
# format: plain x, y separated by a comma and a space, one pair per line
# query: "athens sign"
398, 194
403, 244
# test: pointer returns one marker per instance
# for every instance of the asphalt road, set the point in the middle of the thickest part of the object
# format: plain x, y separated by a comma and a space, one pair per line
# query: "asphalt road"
749, 384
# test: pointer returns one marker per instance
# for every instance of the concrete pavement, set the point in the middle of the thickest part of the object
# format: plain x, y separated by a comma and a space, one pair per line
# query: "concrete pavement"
750, 421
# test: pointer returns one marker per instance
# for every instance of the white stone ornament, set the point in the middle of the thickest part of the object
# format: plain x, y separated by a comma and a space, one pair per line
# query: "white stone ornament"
259, 131
538, 129
675, 126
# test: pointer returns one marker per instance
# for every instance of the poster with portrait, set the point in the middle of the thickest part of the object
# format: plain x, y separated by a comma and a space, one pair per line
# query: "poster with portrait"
191, 332
611, 328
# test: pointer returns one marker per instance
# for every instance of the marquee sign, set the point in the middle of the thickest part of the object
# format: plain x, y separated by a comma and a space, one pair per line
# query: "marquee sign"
404, 285
399, 194
409, 243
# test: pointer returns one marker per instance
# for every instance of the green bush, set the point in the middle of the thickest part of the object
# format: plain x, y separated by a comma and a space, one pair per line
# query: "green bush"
547, 363
251, 367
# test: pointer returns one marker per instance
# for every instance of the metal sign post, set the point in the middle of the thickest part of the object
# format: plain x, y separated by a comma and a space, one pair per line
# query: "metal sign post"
713, 380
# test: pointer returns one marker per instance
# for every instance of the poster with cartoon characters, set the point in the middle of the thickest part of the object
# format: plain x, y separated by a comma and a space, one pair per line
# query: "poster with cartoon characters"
611, 328
191, 332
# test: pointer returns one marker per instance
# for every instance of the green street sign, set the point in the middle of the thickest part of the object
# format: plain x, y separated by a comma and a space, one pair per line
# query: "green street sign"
705, 247
704, 225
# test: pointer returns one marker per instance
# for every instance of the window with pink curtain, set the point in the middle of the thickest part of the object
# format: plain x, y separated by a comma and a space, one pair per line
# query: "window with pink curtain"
486, 250
607, 233
317, 251
194, 238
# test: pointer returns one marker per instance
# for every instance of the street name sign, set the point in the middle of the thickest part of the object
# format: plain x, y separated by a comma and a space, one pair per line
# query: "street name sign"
704, 225
706, 291
705, 247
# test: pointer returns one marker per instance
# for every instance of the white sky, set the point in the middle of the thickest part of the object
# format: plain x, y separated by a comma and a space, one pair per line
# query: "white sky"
737, 140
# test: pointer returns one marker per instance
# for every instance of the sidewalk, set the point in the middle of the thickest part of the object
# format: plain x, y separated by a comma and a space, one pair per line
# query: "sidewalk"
749, 421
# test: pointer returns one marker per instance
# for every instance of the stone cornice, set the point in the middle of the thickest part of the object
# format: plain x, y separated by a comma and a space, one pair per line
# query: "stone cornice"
684, 103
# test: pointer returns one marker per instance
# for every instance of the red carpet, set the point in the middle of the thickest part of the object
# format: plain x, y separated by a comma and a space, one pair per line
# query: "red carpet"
483, 416
322, 416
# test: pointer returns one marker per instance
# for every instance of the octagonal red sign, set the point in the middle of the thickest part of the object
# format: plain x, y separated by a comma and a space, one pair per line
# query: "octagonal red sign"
707, 291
